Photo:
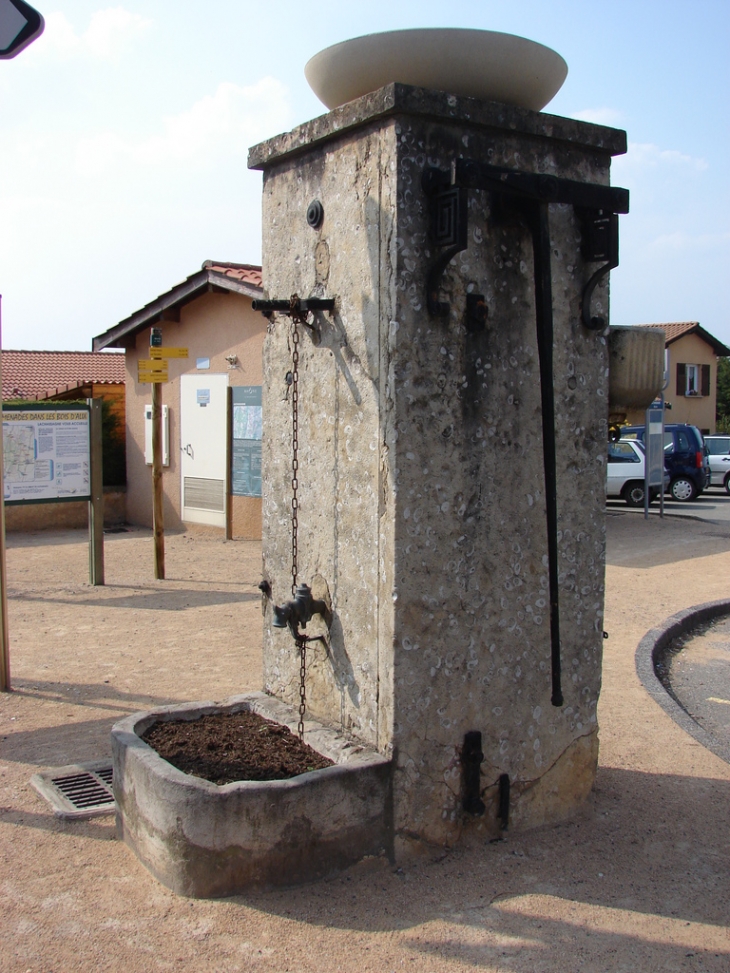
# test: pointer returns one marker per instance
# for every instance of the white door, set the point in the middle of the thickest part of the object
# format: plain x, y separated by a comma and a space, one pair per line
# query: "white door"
203, 451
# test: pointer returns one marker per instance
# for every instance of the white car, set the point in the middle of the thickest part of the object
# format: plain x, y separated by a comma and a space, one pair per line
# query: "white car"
625, 473
718, 449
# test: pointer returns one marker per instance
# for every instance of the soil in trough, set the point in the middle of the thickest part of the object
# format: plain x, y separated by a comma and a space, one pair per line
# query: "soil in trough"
223, 747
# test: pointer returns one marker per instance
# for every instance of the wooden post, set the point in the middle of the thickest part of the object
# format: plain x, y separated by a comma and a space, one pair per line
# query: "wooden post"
96, 503
157, 520
4, 640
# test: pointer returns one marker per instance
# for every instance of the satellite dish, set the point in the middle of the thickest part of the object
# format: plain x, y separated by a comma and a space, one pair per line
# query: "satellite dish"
20, 24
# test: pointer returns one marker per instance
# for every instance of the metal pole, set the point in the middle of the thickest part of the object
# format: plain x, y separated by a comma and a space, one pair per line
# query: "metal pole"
96, 503
544, 314
158, 527
4, 640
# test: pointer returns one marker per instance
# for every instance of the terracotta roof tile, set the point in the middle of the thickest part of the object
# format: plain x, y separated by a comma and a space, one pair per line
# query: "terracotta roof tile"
249, 273
40, 374
678, 329
673, 331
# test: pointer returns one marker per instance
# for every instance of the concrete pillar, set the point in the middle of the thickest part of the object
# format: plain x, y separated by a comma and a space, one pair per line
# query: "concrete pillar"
421, 482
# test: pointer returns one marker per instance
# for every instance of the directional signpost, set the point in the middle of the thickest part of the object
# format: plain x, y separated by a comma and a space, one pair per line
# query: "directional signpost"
20, 24
154, 371
151, 370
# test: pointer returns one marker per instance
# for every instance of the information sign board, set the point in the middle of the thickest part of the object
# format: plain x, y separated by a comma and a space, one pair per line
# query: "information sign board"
246, 445
168, 352
149, 370
46, 454
654, 444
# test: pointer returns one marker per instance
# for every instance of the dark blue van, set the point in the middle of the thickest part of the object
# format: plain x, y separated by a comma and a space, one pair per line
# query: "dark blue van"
685, 458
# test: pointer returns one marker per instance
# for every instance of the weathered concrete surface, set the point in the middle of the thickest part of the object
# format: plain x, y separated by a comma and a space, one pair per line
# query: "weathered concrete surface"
421, 485
205, 840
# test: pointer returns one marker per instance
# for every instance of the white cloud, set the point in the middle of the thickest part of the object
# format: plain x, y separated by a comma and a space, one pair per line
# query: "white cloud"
227, 122
681, 241
644, 156
109, 34
600, 116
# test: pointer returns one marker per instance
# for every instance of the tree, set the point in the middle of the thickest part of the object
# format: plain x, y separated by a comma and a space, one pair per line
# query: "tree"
722, 413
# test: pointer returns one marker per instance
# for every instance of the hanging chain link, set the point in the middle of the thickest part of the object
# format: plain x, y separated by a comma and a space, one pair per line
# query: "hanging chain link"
302, 647
295, 455
301, 640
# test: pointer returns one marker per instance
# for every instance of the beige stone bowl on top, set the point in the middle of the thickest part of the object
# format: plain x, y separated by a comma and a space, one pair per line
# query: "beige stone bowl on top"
481, 64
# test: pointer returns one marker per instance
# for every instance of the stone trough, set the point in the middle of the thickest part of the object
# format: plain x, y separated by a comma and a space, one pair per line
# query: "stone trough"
207, 841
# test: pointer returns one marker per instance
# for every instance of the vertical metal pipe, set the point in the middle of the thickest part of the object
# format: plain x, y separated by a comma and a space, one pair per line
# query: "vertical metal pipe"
544, 313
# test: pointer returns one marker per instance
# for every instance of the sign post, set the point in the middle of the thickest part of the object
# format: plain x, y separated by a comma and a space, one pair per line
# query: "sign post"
654, 449
154, 371
96, 503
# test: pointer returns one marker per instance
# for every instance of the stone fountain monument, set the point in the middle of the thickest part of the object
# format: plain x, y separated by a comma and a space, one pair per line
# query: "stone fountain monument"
435, 426
457, 523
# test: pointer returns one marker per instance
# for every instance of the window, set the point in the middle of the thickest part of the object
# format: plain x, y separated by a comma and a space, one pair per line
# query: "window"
693, 379
718, 447
622, 453
692, 375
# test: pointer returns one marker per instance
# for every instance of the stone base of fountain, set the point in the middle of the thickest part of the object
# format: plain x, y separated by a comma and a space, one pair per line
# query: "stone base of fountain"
206, 841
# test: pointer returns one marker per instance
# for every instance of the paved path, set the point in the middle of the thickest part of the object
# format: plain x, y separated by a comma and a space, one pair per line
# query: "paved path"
637, 881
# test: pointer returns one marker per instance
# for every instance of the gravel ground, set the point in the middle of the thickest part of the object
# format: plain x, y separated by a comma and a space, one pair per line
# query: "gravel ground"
638, 881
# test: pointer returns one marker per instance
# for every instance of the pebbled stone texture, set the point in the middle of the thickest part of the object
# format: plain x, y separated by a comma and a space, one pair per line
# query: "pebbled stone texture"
421, 492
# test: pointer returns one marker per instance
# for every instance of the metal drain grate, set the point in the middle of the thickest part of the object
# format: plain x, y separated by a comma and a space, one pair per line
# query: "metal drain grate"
77, 791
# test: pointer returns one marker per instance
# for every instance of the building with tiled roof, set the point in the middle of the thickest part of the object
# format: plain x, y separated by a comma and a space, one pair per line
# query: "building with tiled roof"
51, 374
691, 361
209, 477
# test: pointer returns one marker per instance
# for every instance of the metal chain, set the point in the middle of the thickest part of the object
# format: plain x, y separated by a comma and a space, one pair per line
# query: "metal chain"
301, 640
295, 455
302, 647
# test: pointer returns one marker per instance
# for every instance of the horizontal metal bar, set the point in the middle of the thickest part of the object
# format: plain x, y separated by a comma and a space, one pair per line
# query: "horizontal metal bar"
539, 186
302, 306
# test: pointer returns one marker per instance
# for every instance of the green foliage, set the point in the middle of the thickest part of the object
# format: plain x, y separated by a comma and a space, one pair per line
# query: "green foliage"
112, 446
722, 414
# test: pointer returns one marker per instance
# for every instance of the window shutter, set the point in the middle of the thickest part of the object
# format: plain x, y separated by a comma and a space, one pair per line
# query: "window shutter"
705, 381
681, 379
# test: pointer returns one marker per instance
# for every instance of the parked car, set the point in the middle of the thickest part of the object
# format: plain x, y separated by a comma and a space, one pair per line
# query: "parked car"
625, 473
718, 450
685, 458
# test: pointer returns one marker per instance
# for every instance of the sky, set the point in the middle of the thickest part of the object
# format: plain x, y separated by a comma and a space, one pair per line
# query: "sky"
124, 132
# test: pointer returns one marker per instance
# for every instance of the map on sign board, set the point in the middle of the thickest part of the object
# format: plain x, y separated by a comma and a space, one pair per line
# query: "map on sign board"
46, 455
246, 446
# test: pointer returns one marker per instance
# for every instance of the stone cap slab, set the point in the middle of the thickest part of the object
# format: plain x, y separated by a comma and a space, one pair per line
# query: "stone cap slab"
401, 99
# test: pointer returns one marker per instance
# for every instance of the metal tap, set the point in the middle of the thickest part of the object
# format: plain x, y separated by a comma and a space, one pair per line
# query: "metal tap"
298, 612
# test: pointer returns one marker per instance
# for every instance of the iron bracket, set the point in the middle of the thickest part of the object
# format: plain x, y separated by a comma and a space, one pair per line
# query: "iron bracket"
296, 307
471, 761
596, 206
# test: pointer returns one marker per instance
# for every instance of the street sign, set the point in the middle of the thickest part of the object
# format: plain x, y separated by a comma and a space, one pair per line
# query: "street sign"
20, 24
168, 352
149, 371
155, 337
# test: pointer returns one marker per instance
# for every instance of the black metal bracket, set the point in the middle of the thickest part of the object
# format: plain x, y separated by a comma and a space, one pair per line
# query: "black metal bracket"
596, 206
471, 761
503, 801
296, 307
